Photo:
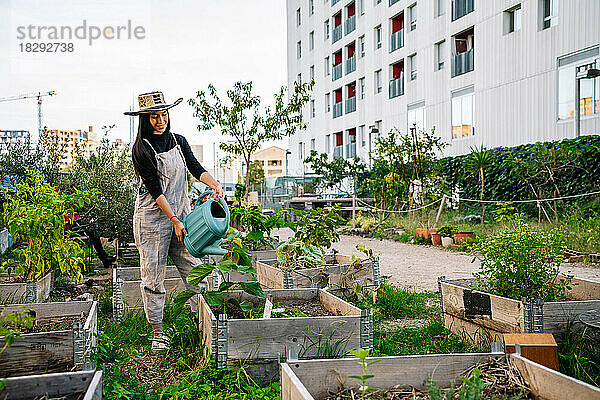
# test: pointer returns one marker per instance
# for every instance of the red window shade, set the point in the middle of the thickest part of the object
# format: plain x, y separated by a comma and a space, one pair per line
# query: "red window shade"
338, 95
337, 58
337, 20
339, 139
352, 131
351, 91
351, 50
351, 10
397, 70
397, 23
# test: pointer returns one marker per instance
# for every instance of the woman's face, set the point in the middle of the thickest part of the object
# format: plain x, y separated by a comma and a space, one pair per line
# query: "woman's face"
159, 121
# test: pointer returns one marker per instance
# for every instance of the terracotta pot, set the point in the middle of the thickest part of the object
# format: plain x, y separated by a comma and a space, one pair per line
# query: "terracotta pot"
460, 237
447, 241
423, 232
436, 239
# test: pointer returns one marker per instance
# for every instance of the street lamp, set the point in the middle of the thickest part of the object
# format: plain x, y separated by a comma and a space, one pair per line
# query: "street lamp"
285, 180
586, 71
374, 130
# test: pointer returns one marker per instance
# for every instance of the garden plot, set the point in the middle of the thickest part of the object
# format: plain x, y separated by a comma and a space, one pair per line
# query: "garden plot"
482, 317
15, 289
86, 385
265, 340
406, 376
63, 337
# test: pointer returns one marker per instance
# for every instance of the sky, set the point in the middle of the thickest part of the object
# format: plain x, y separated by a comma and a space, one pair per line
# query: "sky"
182, 46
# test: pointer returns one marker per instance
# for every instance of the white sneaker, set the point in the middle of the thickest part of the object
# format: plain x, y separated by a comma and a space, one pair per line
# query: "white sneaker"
160, 342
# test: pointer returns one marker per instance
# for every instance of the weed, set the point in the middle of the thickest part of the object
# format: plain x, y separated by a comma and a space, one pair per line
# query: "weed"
579, 354
362, 355
324, 343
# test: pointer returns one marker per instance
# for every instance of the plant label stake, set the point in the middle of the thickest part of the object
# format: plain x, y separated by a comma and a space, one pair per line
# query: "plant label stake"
268, 307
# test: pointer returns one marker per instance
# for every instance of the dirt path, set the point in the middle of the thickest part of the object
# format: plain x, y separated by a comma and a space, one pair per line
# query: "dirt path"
418, 267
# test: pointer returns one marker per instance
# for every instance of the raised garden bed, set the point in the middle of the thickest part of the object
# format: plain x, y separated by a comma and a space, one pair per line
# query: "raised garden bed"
480, 317
338, 273
322, 379
13, 289
261, 341
80, 385
63, 338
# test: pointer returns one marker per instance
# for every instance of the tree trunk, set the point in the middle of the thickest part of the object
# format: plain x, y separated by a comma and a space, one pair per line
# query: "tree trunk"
481, 197
247, 178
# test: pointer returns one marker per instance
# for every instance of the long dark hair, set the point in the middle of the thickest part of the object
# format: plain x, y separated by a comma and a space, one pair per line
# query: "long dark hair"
141, 153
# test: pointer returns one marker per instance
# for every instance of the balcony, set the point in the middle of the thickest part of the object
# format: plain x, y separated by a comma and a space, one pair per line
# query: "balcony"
337, 109
337, 33
462, 63
337, 72
351, 150
338, 152
397, 87
351, 64
350, 25
460, 8
392, 2
350, 104
397, 40
334, 2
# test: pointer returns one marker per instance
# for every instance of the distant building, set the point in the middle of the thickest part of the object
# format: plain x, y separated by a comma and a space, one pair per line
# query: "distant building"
12, 137
120, 145
72, 144
272, 160
198, 151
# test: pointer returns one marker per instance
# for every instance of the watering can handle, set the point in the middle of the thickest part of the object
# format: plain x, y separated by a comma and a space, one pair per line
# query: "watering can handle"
221, 200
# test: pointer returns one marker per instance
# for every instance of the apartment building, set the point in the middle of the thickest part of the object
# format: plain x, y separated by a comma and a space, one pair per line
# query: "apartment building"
11, 137
72, 143
497, 73
272, 160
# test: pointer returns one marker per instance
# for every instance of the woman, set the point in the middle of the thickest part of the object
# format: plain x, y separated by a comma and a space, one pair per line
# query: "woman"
161, 160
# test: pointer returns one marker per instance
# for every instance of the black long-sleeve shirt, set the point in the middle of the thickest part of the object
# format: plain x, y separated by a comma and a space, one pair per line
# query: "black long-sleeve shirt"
162, 143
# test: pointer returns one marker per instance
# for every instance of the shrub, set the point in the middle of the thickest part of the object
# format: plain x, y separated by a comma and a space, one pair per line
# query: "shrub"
521, 261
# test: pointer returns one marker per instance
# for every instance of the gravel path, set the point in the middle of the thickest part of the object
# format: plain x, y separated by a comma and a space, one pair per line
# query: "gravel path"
418, 267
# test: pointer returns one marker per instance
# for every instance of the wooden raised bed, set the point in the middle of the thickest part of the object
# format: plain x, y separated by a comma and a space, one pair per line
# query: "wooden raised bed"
316, 379
53, 351
86, 385
261, 340
480, 317
26, 292
337, 274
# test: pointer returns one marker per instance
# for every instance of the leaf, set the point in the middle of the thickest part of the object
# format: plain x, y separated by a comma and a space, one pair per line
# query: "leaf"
244, 259
181, 299
254, 288
372, 362
246, 306
355, 377
225, 266
198, 273
246, 269
255, 236
214, 298
225, 285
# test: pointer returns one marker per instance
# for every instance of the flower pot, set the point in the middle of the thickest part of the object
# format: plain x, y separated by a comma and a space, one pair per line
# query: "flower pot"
436, 239
447, 241
460, 237
423, 232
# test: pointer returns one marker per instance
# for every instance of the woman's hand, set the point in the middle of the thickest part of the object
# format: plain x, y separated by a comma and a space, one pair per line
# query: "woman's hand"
179, 229
218, 191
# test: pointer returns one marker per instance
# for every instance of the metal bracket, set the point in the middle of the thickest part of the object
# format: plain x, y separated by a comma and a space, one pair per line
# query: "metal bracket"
79, 339
496, 347
288, 279
222, 339
366, 329
440, 280
538, 316
31, 291
118, 301
376, 271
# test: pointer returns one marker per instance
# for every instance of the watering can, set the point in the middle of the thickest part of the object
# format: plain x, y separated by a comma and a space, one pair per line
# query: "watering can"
206, 227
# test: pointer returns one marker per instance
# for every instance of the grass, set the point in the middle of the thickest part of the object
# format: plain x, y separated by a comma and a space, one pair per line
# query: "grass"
579, 354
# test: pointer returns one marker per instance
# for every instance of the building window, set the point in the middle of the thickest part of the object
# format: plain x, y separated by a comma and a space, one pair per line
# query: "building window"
413, 66
299, 78
300, 152
312, 145
327, 143
377, 2
299, 49
311, 40
412, 12
589, 89
512, 19
361, 136
312, 73
378, 37
326, 30
327, 69
416, 116
440, 7
327, 104
440, 55
312, 108
361, 5
311, 7
463, 55
361, 83
378, 81
298, 18
462, 113
549, 13
361, 46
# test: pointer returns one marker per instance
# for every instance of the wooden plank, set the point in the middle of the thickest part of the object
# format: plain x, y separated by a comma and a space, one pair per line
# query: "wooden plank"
134, 274
336, 305
132, 295
268, 307
584, 289
50, 310
11, 293
43, 288
321, 377
291, 387
91, 325
471, 332
208, 323
94, 391
38, 353
558, 314
269, 276
54, 385
538, 347
548, 384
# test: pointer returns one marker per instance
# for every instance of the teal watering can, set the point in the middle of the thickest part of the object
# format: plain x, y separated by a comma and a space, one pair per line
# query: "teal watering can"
206, 227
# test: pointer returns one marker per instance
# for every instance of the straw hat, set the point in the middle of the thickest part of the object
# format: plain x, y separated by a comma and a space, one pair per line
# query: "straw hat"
153, 101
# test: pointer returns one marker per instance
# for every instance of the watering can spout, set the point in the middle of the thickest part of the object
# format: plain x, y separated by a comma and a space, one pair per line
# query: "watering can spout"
214, 249
206, 225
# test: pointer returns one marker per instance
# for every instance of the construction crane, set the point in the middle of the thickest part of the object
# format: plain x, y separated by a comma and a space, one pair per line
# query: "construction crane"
38, 96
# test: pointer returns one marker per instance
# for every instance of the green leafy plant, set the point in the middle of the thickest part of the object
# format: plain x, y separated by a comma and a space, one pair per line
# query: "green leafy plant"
296, 254
36, 213
10, 327
503, 211
362, 355
478, 160
317, 227
446, 230
255, 225
521, 261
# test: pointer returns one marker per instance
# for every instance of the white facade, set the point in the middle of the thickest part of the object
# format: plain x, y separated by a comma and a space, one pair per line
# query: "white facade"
520, 88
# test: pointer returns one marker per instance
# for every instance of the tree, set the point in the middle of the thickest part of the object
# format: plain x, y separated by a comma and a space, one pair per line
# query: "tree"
257, 173
246, 122
334, 173
478, 160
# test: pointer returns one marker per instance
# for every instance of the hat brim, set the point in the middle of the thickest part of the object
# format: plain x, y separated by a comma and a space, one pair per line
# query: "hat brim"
155, 108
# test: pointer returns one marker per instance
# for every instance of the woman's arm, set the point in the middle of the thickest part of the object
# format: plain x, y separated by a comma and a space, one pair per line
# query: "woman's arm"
208, 180
164, 205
